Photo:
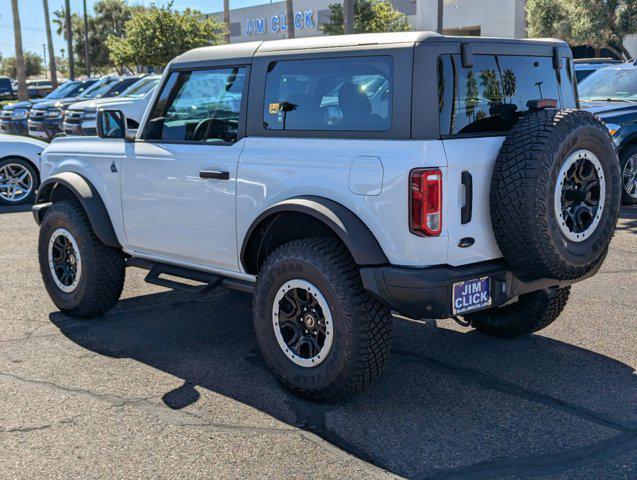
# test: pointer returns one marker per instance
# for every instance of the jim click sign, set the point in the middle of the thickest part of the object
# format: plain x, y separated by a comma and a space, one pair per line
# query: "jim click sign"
278, 23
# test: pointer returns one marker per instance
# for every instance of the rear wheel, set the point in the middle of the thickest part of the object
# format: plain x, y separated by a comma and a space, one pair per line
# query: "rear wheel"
628, 165
322, 334
83, 277
18, 182
530, 313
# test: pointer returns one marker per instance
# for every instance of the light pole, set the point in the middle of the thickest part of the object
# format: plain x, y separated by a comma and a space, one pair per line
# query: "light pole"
439, 27
46, 75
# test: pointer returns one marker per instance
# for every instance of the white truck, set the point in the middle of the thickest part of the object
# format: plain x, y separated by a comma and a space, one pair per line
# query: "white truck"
341, 180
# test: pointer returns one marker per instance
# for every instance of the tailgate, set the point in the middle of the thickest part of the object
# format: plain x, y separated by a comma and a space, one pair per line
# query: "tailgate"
476, 157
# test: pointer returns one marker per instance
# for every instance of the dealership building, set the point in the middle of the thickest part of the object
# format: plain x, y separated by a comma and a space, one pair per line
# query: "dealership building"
491, 18
488, 18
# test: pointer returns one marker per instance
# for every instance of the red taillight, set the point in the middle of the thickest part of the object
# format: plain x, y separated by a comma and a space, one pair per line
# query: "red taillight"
425, 191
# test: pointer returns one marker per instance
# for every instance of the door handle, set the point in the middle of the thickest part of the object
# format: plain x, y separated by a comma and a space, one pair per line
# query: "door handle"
467, 209
207, 174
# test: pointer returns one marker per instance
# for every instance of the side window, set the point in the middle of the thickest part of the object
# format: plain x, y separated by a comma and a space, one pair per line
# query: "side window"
200, 106
344, 94
493, 95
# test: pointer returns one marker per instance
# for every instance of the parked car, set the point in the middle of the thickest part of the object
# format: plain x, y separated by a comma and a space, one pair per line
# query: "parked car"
586, 66
611, 94
467, 184
39, 88
80, 118
45, 117
19, 169
6, 89
14, 117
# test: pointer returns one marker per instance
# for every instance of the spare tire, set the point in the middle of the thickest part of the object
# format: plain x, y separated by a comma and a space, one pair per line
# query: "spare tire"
555, 194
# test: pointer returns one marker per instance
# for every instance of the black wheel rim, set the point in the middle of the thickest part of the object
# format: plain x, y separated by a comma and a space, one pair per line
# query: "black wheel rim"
302, 323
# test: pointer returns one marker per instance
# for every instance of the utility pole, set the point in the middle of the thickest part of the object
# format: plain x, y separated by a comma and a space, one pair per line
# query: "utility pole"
49, 41
289, 17
348, 16
69, 38
441, 5
226, 18
87, 58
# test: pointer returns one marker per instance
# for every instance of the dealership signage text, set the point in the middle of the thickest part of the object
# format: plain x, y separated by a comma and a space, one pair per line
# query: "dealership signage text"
278, 23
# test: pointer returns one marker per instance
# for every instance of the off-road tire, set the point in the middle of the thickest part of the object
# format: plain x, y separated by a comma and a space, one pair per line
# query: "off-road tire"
34, 175
103, 269
531, 313
623, 159
522, 194
362, 325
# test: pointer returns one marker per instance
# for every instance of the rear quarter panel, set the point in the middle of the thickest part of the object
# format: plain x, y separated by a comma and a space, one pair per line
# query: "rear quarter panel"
274, 169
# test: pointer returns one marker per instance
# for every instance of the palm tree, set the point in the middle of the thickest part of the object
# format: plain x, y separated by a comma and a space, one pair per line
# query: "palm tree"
289, 14
19, 54
226, 18
49, 41
69, 37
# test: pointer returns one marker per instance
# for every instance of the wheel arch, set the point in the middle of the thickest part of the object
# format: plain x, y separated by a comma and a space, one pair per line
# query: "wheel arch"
305, 217
71, 185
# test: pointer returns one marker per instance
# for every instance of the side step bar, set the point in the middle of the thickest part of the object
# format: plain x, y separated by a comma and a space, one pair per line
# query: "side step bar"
209, 280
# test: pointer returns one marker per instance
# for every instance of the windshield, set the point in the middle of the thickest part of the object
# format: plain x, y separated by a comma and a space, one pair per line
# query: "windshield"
99, 88
67, 89
141, 88
610, 84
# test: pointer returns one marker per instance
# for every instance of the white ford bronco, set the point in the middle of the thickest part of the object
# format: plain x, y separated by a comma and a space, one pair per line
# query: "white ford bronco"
342, 180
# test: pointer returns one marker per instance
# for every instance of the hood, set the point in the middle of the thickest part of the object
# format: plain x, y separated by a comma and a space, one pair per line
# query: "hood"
12, 106
612, 112
60, 103
22, 140
100, 102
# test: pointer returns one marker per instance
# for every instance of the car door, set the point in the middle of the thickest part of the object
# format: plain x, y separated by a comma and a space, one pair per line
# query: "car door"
179, 180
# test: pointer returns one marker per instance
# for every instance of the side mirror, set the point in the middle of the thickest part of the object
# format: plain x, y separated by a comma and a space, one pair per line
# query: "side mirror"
111, 124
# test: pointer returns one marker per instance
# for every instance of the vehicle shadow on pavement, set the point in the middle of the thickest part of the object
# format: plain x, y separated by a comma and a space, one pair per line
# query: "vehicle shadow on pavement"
450, 404
14, 209
628, 219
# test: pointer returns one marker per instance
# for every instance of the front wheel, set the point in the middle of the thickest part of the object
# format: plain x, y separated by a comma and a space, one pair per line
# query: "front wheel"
83, 277
322, 334
530, 313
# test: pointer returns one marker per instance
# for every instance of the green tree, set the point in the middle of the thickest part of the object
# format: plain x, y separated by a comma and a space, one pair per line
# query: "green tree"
369, 16
108, 20
156, 35
32, 61
596, 23
491, 85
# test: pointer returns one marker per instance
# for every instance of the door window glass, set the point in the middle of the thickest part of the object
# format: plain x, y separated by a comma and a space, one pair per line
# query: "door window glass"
346, 94
199, 106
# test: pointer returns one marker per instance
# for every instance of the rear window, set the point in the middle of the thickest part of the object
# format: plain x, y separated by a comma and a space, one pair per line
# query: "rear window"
333, 94
5, 84
492, 96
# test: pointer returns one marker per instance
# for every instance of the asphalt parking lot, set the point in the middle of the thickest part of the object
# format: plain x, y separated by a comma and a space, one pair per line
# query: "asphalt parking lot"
173, 386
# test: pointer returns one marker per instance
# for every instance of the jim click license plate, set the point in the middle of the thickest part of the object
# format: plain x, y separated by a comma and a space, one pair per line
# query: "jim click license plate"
471, 295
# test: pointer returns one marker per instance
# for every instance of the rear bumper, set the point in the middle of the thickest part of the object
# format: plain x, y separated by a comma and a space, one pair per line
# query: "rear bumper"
427, 292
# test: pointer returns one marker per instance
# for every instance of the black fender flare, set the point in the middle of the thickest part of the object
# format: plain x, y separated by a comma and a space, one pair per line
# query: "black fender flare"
89, 198
345, 224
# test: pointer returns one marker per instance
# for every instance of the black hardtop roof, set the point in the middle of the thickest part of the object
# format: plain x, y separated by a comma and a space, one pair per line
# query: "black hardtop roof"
247, 50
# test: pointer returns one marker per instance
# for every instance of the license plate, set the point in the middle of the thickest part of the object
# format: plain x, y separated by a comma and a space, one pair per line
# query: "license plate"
471, 295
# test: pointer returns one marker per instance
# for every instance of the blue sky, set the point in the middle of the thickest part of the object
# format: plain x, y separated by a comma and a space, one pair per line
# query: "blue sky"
32, 18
